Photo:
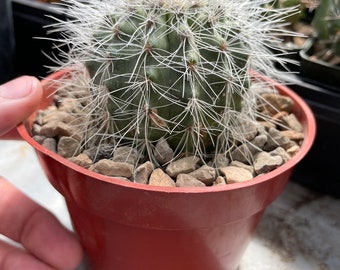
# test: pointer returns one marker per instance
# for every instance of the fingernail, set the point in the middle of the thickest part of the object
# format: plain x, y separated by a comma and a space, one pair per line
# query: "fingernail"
17, 88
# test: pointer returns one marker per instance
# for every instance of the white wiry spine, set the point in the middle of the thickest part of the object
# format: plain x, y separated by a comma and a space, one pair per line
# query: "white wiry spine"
247, 33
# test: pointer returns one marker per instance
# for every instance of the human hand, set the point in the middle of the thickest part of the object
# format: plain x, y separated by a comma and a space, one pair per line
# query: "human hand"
18, 99
44, 243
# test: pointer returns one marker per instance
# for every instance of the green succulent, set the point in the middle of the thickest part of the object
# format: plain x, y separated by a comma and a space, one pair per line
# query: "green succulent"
326, 23
177, 70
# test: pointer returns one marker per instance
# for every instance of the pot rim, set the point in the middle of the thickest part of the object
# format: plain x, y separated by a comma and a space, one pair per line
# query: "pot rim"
299, 104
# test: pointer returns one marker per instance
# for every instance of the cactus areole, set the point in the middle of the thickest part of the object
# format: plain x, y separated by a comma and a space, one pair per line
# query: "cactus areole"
175, 70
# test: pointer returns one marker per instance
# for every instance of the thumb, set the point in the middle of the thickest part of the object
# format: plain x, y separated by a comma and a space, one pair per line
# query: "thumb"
18, 99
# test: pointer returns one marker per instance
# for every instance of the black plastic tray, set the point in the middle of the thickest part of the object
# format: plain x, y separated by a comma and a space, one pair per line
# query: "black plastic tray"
320, 169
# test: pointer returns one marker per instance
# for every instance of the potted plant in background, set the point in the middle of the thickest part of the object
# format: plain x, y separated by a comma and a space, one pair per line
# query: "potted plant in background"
318, 84
320, 59
172, 95
298, 21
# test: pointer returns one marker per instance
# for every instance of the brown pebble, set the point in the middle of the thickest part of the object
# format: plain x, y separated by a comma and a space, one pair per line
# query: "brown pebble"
50, 144
293, 135
68, 147
186, 180
82, 160
160, 178
183, 165
235, 174
143, 172
112, 168
220, 181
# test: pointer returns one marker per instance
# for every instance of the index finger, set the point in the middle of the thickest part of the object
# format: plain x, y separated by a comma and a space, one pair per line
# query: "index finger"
26, 222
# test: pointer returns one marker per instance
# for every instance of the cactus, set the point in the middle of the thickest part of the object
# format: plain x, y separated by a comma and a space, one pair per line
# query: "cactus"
326, 23
177, 70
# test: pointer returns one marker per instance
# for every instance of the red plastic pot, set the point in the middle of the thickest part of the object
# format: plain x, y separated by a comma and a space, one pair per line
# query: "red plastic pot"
130, 226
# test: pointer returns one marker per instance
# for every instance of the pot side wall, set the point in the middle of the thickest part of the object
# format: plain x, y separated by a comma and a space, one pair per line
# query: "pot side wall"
129, 226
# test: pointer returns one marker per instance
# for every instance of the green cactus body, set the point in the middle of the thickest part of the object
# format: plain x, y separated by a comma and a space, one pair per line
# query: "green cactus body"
170, 68
176, 69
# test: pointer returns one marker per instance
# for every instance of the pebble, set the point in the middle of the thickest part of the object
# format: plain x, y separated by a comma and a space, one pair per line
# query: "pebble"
183, 165
57, 116
70, 105
205, 174
186, 180
220, 180
40, 116
279, 151
265, 162
58, 129
68, 147
221, 160
96, 153
293, 135
244, 166
249, 130
163, 153
125, 154
143, 172
112, 168
82, 160
273, 103
159, 178
267, 125
269, 145
293, 150
279, 116
50, 144
275, 139
245, 152
235, 174
36, 129
39, 139
292, 123
48, 130
63, 129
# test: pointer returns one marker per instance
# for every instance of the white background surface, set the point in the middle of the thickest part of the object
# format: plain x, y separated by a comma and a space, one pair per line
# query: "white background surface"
300, 230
